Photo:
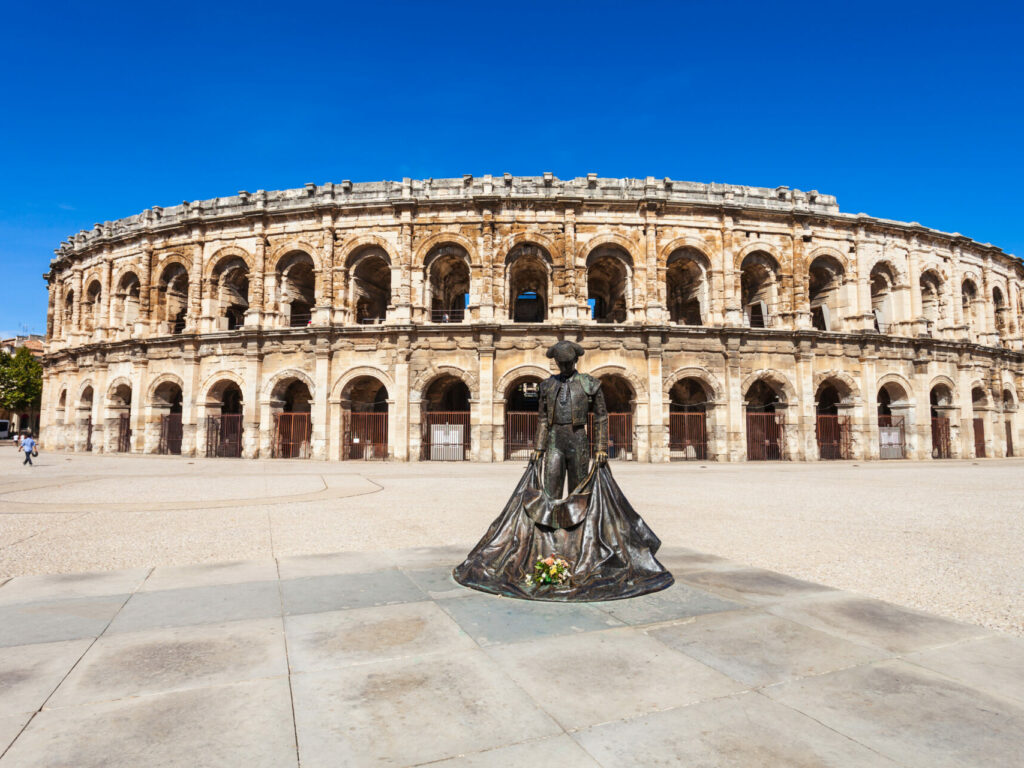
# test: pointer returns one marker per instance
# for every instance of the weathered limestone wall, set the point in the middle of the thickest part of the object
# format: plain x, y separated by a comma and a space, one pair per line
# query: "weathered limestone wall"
418, 284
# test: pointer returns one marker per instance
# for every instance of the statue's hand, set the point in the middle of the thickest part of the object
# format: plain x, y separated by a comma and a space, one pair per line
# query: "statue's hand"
537, 457
601, 457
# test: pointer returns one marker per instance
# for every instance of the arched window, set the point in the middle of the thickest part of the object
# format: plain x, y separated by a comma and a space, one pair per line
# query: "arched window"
127, 301
370, 286
297, 288
883, 282
172, 298
448, 283
969, 304
229, 287
608, 278
686, 286
758, 291
931, 300
824, 280
527, 267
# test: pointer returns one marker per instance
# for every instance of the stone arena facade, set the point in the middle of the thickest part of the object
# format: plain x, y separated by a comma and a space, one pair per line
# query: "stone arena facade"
409, 320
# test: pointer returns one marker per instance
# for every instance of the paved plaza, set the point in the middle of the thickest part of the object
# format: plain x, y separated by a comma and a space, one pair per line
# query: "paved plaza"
188, 612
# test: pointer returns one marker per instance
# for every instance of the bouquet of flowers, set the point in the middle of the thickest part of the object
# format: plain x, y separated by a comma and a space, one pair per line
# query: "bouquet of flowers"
549, 570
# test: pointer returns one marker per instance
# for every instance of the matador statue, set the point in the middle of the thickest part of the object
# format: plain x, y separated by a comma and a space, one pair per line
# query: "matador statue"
565, 402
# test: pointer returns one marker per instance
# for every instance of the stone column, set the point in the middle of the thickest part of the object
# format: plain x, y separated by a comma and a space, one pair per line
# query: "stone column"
145, 318
914, 276
76, 316
965, 372
656, 402
654, 308
486, 398
105, 323
869, 386
923, 410
731, 301
398, 415
325, 294
136, 410
486, 299
574, 303
254, 315
804, 366
732, 380
251, 406
195, 285
800, 276
322, 385
189, 393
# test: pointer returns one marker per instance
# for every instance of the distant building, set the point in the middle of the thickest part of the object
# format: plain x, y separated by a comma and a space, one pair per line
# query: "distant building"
17, 421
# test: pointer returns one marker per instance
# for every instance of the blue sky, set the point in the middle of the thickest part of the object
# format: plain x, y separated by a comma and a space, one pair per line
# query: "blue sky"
902, 110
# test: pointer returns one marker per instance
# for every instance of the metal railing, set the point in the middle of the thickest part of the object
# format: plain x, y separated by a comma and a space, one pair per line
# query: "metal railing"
766, 437
365, 436
224, 435
891, 437
688, 436
171, 432
446, 436
834, 438
941, 442
447, 315
292, 432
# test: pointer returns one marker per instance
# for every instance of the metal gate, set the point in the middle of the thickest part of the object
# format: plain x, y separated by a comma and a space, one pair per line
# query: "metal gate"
124, 433
88, 433
620, 436
941, 443
979, 438
445, 436
224, 435
170, 434
765, 437
688, 436
891, 444
365, 436
834, 439
291, 435
520, 432
1009, 438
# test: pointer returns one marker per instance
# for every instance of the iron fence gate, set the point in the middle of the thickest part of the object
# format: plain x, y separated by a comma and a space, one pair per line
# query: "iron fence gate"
170, 434
979, 438
620, 436
445, 436
365, 436
765, 437
688, 435
291, 435
520, 432
88, 433
891, 437
1009, 438
124, 433
941, 442
834, 439
224, 435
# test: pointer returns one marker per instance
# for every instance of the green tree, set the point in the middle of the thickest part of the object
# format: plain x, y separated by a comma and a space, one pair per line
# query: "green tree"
21, 381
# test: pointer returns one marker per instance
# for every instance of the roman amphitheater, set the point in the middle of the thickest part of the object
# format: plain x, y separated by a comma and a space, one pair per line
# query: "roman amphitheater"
409, 321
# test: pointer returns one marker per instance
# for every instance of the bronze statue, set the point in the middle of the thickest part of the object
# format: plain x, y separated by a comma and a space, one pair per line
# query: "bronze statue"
599, 546
565, 402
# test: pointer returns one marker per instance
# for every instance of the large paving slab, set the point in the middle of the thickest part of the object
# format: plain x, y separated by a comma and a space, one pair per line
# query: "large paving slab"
382, 659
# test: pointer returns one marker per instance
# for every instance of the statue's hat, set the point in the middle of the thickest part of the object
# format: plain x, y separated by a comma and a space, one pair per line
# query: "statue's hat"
564, 351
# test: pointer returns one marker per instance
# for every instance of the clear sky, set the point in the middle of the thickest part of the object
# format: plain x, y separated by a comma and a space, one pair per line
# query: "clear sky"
902, 110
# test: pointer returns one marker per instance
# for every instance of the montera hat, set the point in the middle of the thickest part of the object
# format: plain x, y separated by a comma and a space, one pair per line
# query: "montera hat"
564, 351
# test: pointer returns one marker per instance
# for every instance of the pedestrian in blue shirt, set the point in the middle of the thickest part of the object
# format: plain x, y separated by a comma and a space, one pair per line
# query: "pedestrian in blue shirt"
28, 445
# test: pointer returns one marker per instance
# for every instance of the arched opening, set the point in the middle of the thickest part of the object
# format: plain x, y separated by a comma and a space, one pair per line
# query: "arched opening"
296, 276
620, 400
893, 409
445, 419
931, 300
824, 282
172, 299
687, 420
85, 417
230, 290
969, 305
1009, 409
448, 283
608, 278
940, 399
883, 282
521, 399
527, 267
62, 407
758, 288
92, 309
832, 423
765, 411
167, 406
364, 419
999, 305
291, 406
69, 313
127, 301
980, 406
119, 423
686, 286
224, 425
370, 286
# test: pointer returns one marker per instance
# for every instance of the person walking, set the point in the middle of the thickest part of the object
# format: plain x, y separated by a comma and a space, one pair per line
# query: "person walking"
28, 445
